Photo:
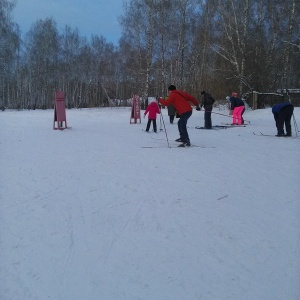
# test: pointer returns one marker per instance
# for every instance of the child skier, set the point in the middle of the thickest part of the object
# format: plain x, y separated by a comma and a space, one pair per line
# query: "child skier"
152, 110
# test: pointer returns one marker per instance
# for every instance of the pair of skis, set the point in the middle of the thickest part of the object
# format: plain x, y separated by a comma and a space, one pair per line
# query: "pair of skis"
271, 135
192, 146
224, 126
177, 146
154, 136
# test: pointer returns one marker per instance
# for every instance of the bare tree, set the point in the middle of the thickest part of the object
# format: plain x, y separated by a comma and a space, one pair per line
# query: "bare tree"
42, 53
226, 45
234, 17
9, 45
140, 23
288, 40
70, 45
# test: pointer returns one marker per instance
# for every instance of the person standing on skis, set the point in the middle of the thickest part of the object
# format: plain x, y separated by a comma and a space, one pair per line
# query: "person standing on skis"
237, 107
181, 101
152, 110
283, 114
207, 102
171, 113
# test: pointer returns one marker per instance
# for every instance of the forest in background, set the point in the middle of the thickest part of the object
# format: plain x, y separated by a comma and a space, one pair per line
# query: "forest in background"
218, 46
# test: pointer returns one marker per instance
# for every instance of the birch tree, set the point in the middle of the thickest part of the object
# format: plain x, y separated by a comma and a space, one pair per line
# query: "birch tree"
42, 52
9, 45
288, 39
234, 18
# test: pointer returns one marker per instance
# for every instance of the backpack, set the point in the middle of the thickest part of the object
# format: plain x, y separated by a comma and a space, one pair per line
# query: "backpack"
209, 100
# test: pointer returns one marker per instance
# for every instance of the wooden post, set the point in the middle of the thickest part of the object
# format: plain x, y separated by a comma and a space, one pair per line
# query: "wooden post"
255, 94
59, 112
135, 110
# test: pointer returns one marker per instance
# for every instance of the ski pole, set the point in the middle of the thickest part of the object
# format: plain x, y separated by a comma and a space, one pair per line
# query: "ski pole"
164, 126
295, 125
226, 115
294, 119
160, 127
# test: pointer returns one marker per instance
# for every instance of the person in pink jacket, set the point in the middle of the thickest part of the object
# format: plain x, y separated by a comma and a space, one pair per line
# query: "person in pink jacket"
152, 110
237, 109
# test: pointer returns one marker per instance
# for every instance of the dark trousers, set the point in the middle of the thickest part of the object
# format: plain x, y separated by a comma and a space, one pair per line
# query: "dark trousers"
149, 123
184, 136
284, 118
172, 118
207, 119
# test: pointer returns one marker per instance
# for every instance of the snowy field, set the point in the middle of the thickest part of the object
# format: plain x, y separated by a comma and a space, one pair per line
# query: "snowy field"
87, 213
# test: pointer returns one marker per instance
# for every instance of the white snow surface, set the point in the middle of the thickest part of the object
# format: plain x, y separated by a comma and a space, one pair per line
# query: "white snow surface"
87, 213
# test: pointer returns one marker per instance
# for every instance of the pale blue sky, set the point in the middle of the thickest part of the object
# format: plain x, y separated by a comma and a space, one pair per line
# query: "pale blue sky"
91, 17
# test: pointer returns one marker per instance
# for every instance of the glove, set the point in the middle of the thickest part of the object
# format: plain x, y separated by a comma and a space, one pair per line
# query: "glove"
198, 108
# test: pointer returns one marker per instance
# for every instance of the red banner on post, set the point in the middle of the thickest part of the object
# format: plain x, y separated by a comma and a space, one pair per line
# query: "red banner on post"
60, 120
135, 110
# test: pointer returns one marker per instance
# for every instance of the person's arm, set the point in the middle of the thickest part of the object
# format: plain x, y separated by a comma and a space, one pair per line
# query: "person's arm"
191, 99
195, 102
146, 111
232, 104
202, 101
157, 109
167, 101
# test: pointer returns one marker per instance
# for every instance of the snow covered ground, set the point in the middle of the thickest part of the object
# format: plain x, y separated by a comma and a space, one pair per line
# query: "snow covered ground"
87, 213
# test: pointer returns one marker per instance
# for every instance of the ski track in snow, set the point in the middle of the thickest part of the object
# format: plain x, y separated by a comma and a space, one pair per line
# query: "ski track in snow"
87, 213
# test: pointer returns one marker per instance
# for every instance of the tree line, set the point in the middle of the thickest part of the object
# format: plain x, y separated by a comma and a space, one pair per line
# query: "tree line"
218, 46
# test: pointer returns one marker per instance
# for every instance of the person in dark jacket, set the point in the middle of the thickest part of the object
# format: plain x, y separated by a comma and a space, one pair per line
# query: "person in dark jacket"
181, 101
207, 102
237, 107
283, 114
152, 110
171, 113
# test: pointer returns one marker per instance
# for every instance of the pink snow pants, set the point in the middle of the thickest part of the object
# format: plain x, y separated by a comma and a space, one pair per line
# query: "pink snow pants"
237, 115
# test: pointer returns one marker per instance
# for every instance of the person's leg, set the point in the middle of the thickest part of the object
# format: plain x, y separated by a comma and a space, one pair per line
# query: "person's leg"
242, 115
154, 125
183, 122
280, 123
239, 114
208, 119
180, 129
234, 115
148, 125
276, 118
287, 121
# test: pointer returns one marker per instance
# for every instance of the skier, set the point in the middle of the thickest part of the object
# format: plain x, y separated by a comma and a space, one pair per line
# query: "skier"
282, 114
171, 113
152, 110
207, 102
237, 107
181, 101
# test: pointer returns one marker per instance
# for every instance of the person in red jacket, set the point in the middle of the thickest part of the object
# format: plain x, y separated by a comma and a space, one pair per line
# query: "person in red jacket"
181, 101
152, 110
